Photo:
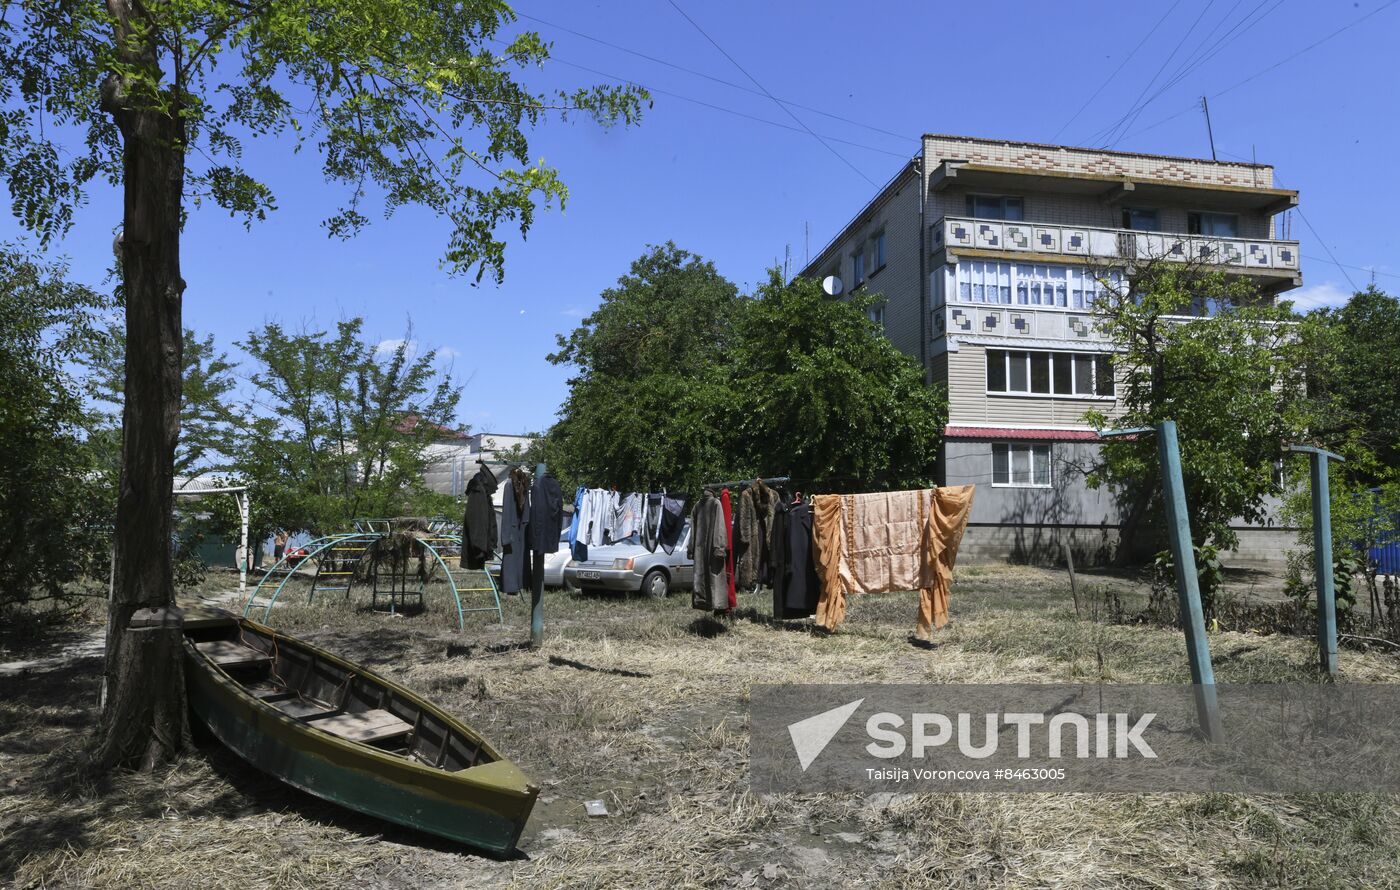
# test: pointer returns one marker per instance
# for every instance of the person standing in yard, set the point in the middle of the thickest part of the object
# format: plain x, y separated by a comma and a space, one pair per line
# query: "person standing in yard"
279, 544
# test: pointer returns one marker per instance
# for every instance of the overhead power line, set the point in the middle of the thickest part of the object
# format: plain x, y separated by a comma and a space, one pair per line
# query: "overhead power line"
1204, 53
1304, 218
701, 102
1107, 80
719, 80
1261, 72
755, 82
1156, 74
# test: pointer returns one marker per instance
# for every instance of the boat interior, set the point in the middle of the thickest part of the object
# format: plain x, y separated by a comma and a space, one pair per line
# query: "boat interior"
319, 693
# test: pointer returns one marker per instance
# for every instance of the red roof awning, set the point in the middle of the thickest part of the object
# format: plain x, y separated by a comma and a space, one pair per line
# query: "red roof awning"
998, 432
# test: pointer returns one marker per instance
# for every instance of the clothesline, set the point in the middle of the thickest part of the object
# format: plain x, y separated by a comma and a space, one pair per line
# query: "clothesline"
738, 482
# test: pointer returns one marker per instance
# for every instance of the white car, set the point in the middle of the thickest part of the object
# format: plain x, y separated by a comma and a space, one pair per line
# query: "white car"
553, 564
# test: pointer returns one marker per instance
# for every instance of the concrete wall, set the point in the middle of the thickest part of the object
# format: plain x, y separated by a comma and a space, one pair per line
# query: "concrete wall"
1020, 524
1095, 162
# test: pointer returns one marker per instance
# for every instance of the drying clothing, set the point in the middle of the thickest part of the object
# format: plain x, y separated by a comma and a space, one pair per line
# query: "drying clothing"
728, 546
795, 583
663, 522
651, 521
593, 513
577, 549
626, 517
479, 531
753, 524
710, 591
546, 515
901, 540
515, 566
672, 522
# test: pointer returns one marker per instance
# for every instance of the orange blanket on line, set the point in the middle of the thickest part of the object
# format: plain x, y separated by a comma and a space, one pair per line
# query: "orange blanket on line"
899, 540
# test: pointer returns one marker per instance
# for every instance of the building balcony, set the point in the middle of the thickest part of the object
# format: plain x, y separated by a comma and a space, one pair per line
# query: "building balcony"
1116, 247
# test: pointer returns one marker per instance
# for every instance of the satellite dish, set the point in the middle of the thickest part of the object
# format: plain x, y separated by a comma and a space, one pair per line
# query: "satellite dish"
832, 285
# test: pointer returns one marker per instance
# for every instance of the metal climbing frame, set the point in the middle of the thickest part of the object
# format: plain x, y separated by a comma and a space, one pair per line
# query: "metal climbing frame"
288, 566
445, 546
342, 552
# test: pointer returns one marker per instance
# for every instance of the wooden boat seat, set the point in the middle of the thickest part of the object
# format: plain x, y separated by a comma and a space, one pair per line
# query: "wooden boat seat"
301, 708
265, 690
366, 726
231, 653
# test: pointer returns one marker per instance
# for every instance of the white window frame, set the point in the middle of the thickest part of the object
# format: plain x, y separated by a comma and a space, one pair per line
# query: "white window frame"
1035, 452
1038, 285
877, 251
1075, 357
858, 272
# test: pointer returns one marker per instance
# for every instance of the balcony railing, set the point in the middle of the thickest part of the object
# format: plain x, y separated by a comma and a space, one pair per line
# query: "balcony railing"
1117, 244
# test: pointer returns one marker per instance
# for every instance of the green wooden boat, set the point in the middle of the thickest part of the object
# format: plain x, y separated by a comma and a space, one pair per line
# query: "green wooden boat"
336, 730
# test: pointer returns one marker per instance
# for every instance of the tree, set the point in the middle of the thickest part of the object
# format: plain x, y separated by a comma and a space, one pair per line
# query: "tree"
648, 404
1352, 356
681, 381
208, 418
338, 428
159, 97
50, 499
1232, 379
826, 396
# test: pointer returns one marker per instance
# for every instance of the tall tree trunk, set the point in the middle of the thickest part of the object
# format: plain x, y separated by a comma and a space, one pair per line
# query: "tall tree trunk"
144, 720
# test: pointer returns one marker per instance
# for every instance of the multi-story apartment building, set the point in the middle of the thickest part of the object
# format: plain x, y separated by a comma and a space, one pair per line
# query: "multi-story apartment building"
986, 253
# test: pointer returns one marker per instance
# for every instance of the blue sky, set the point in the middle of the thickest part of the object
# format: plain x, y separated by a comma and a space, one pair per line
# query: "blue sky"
744, 184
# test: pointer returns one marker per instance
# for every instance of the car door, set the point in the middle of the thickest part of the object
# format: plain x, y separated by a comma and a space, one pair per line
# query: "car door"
683, 567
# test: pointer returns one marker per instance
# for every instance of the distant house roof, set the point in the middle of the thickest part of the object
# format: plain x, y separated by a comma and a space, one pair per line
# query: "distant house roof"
411, 422
1006, 432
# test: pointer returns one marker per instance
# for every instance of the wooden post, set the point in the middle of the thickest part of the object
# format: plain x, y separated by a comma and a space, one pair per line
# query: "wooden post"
1322, 557
537, 586
1187, 584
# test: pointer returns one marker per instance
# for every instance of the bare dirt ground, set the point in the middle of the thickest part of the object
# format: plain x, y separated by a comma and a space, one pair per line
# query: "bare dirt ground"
642, 704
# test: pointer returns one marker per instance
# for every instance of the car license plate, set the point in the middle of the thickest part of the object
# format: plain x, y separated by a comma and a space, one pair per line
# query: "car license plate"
589, 576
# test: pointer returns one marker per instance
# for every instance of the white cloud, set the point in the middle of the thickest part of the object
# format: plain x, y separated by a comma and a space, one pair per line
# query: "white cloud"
387, 346
573, 313
1328, 293
522, 311
447, 352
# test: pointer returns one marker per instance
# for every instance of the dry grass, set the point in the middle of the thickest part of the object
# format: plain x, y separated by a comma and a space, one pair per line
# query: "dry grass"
643, 704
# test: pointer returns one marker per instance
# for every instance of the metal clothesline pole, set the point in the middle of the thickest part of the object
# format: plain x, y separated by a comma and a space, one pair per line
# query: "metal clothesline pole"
1322, 556
1188, 589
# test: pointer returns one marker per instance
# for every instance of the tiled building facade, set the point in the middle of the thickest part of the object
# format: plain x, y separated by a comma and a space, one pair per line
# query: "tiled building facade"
988, 254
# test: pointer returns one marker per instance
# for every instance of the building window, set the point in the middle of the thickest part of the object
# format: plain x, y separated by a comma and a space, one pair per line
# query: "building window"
877, 251
1141, 219
876, 314
1219, 225
857, 268
980, 282
995, 207
1021, 464
1032, 285
1086, 374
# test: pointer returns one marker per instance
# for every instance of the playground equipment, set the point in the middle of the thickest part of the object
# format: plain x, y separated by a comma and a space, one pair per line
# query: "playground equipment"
379, 552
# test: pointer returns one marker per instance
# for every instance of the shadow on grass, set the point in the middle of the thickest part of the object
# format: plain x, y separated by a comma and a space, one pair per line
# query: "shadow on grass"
559, 661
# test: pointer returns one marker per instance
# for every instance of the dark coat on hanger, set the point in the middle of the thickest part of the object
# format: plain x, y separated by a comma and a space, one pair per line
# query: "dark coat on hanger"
546, 515
479, 531
796, 587
515, 516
